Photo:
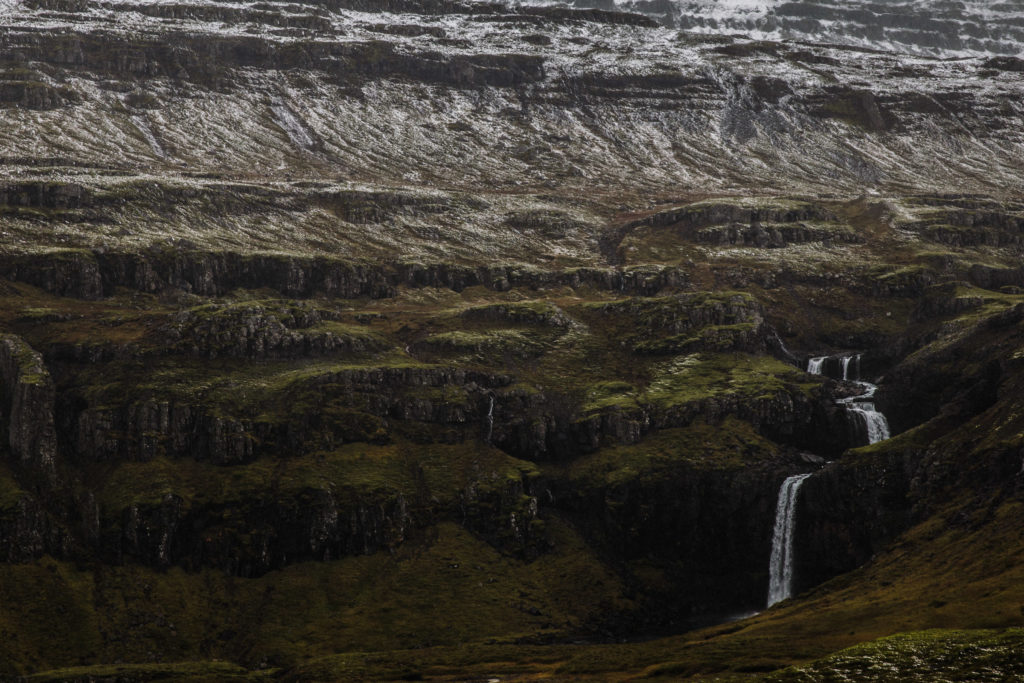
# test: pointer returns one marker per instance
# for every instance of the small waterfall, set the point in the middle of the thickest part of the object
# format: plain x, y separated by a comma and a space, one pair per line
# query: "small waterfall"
873, 423
490, 419
815, 365
780, 571
876, 427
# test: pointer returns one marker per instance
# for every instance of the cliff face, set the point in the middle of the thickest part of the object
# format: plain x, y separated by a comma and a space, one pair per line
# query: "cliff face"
28, 401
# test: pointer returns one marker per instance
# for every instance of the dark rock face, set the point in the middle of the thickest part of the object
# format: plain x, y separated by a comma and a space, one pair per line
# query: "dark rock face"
28, 400
28, 531
848, 512
711, 530
317, 526
90, 275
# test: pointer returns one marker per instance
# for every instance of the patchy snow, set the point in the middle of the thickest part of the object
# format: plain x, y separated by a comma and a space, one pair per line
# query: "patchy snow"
291, 125
926, 27
143, 126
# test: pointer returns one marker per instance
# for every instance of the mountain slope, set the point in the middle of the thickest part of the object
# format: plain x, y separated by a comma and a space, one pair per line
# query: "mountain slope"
378, 340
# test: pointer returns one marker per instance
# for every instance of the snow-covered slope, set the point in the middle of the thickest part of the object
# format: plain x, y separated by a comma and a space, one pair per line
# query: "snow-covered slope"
926, 27
489, 110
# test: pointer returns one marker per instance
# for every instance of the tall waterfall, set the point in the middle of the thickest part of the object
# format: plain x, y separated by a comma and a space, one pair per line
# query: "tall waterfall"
780, 584
490, 419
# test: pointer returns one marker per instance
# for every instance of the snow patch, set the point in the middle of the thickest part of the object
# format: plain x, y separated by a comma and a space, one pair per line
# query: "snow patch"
291, 125
147, 133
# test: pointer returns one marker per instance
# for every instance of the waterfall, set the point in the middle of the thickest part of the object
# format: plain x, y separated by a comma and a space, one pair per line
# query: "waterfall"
490, 418
868, 418
814, 365
875, 424
876, 427
780, 571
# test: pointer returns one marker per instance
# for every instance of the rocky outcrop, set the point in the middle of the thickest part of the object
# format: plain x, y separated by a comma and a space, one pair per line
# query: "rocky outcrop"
746, 337
326, 410
91, 275
768, 236
28, 531
543, 427
149, 429
507, 515
250, 538
28, 395
274, 330
849, 511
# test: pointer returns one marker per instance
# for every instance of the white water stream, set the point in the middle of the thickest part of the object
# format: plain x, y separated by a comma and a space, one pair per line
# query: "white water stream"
873, 422
780, 571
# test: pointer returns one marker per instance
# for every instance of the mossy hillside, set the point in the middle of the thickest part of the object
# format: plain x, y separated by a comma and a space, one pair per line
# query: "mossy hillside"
199, 671
238, 386
904, 589
823, 318
672, 314
47, 617
740, 337
972, 309
694, 377
531, 312
483, 345
730, 445
252, 327
43, 320
444, 588
921, 656
433, 475
799, 245
313, 395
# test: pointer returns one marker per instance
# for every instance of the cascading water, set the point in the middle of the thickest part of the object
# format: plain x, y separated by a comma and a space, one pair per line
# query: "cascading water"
780, 571
876, 427
872, 422
490, 419
845, 363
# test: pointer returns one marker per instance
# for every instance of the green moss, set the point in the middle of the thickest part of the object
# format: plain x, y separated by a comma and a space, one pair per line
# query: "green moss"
445, 588
686, 379
731, 444
500, 341
610, 394
438, 471
922, 656
711, 338
536, 312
